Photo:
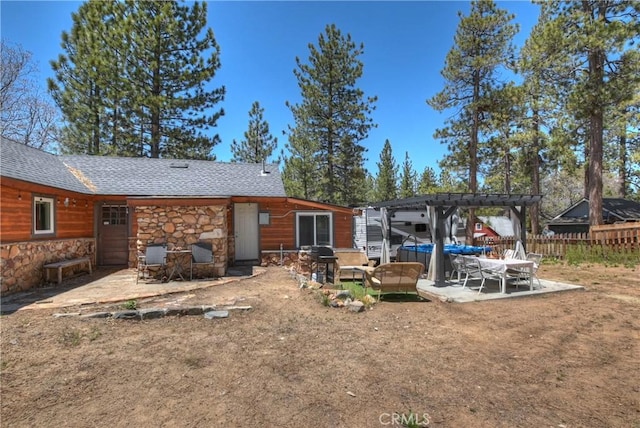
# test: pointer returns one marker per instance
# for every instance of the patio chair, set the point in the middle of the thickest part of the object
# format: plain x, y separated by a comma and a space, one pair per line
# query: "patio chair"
473, 270
394, 277
201, 254
154, 258
456, 265
523, 274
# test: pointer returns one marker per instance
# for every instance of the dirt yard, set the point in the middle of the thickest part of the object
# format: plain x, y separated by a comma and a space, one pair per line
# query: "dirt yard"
569, 359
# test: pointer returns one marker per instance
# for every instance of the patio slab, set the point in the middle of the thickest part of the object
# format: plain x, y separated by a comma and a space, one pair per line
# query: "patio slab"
453, 291
110, 286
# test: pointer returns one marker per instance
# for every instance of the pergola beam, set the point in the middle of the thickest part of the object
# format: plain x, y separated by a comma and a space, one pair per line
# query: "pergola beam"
446, 203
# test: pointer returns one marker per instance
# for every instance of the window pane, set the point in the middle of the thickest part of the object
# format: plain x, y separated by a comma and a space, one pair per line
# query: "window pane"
305, 223
322, 230
43, 215
114, 215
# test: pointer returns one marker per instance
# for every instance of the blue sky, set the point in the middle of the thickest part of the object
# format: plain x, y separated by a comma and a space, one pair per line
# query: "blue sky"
405, 45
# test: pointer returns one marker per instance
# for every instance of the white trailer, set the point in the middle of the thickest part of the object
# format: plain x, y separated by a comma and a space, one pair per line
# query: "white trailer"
407, 227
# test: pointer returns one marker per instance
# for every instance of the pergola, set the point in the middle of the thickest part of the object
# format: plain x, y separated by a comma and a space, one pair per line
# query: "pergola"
442, 205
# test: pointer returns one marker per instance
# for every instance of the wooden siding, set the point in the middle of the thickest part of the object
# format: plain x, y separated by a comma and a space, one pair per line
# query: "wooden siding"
281, 229
16, 199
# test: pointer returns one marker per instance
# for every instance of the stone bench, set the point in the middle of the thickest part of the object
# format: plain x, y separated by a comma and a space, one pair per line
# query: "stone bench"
64, 264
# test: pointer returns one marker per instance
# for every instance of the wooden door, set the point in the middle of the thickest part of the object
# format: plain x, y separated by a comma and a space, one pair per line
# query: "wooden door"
113, 228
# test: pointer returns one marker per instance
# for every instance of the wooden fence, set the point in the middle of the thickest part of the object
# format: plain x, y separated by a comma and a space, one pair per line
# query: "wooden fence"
623, 238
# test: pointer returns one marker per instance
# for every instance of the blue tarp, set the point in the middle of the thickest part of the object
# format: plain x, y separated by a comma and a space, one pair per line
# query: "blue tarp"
448, 249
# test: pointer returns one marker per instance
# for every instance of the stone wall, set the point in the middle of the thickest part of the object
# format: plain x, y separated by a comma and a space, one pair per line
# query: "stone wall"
181, 226
22, 262
297, 261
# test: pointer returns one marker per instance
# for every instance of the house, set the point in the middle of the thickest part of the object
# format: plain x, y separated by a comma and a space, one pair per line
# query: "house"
58, 207
575, 219
493, 227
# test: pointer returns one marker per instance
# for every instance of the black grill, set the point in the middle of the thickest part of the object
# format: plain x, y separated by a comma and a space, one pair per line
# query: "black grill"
324, 259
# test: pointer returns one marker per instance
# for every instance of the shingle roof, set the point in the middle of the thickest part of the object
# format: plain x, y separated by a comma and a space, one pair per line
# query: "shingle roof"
28, 164
140, 176
613, 209
501, 224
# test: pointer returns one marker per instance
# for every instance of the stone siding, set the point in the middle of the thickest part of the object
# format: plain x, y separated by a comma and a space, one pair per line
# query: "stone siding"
22, 262
294, 260
181, 226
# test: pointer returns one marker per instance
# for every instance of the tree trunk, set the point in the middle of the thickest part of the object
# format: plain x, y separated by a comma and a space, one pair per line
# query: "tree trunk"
535, 174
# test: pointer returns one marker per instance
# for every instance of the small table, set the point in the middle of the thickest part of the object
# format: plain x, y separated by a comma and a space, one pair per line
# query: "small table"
359, 270
179, 262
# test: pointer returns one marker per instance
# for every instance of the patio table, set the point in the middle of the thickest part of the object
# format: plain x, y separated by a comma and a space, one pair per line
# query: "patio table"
502, 266
179, 262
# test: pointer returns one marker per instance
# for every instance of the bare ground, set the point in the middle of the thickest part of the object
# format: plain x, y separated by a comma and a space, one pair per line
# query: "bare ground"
567, 359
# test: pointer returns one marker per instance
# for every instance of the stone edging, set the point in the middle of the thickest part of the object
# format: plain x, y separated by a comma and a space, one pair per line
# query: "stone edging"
152, 313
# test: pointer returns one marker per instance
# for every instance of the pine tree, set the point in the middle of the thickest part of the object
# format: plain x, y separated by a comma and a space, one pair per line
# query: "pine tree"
258, 143
331, 121
483, 43
135, 79
407, 178
588, 49
428, 183
386, 187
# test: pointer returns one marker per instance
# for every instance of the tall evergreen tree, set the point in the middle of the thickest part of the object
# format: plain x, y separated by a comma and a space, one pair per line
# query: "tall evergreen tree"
258, 143
407, 178
590, 52
482, 44
135, 79
386, 183
332, 119
428, 183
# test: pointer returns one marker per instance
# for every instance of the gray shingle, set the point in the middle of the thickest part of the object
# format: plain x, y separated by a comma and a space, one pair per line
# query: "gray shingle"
28, 164
139, 176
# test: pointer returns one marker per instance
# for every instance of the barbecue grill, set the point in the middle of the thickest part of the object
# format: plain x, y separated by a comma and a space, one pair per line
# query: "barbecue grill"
325, 260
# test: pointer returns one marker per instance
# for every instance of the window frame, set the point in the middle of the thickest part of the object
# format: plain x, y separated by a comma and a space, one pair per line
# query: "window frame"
314, 214
51, 200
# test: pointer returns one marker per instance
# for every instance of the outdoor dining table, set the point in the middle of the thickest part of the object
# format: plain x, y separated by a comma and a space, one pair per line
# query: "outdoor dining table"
179, 257
502, 267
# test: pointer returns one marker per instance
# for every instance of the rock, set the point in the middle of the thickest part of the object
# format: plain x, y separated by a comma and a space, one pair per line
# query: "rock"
151, 313
239, 308
173, 312
343, 294
368, 300
356, 306
126, 315
66, 314
96, 315
193, 310
216, 314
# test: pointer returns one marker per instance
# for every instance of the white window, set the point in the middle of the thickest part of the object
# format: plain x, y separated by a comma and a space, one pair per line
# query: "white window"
314, 228
478, 226
43, 219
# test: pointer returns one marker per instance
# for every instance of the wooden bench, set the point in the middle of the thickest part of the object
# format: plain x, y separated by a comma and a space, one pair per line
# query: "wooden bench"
64, 264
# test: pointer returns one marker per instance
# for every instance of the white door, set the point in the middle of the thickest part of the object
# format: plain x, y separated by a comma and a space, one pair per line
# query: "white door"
245, 225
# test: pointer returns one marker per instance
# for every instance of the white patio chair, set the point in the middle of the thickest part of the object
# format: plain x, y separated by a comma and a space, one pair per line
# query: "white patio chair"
523, 274
473, 270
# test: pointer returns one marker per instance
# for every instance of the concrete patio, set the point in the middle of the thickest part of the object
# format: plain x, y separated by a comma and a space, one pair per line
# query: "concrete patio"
454, 292
106, 286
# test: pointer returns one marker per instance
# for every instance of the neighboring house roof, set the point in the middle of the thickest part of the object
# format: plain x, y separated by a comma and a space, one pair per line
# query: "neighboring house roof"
613, 209
105, 175
500, 224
